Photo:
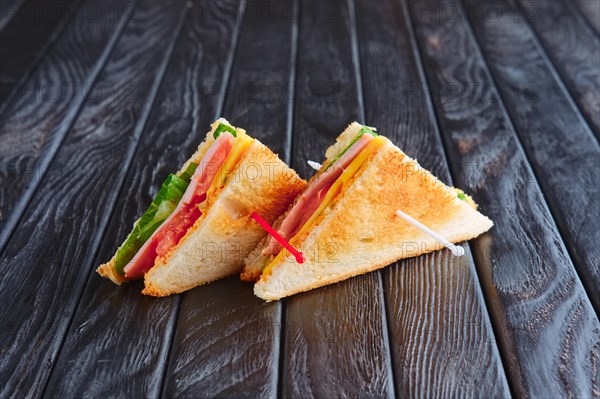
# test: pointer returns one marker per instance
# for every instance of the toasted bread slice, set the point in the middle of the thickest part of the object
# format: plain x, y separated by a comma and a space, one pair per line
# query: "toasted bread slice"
360, 232
256, 261
222, 237
216, 246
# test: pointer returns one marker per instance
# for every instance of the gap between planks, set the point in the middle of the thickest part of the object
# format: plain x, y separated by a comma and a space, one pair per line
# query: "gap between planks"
220, 104
55, 35
504, 109
545, 52
65, 126
432, 111
288, 148
363, 119
120, 179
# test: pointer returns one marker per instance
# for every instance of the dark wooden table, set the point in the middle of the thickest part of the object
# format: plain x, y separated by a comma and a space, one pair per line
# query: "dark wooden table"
100, 100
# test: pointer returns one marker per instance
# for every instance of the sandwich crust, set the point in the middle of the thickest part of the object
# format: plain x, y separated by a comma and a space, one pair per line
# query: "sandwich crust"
360, 232
342, 141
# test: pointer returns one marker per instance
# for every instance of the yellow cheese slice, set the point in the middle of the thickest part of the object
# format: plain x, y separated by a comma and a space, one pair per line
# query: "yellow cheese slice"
240, 145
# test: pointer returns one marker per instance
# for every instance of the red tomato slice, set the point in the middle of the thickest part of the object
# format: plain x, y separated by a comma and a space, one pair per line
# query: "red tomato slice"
175, 229
185, 215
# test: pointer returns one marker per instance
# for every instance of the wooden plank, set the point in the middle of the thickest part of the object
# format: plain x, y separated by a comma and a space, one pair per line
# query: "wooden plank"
227, 341
335, 337
548, 333
51, 99
441, 338
73, 205
572, 45
27, 38
590, 9
547, 122
8, 9
185, 106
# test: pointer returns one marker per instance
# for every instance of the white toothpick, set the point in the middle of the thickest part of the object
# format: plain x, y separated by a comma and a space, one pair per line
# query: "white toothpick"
314, 165
455, 249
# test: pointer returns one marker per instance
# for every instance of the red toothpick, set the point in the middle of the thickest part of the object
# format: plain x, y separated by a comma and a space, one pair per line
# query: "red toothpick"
297, 254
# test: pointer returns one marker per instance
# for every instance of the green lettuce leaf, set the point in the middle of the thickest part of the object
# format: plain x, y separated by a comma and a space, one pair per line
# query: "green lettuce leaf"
223, 128
189, 172
160, 209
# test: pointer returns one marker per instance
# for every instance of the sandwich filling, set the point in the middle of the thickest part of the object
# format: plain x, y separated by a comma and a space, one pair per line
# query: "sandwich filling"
324, 189
176, 207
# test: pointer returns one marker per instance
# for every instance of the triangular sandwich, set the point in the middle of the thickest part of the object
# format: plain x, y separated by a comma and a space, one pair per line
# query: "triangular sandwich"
345, 222
198, 228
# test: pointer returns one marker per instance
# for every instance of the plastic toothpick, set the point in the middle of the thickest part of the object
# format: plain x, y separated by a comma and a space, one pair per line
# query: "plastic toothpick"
297, 254
314, 165
456, 249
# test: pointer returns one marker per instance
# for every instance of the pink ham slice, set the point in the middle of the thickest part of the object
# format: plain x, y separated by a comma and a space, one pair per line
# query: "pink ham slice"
186, 213
311, 199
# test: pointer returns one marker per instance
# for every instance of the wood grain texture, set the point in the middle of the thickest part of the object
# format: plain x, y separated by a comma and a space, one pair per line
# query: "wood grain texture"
227, 341
35, 123
27, 37
571, 44
72, 205
441, 337
548, 123
590, 9
548, 332
226, 344
444, 340
185, 106
335, 337
91, 163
